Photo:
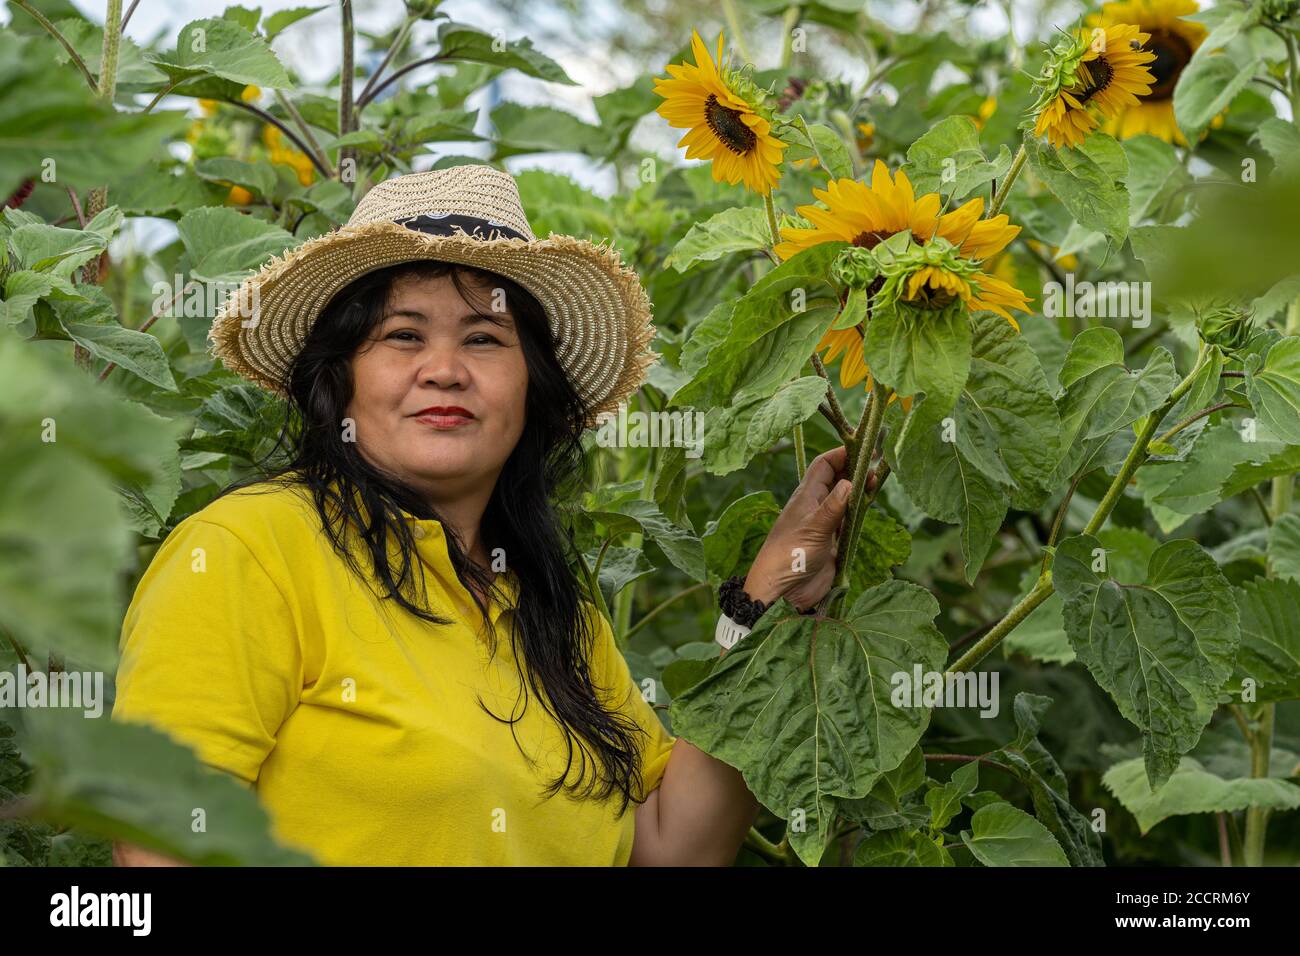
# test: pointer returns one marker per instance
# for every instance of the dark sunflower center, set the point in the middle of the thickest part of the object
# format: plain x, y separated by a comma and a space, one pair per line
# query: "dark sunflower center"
934, 299
1096, 76
728, 127
1173, 52
869, 240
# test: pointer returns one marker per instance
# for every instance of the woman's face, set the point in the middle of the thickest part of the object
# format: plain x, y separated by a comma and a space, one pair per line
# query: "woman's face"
433, 350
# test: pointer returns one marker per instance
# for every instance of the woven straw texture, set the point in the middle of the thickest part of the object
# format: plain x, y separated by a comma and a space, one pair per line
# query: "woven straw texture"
595, 304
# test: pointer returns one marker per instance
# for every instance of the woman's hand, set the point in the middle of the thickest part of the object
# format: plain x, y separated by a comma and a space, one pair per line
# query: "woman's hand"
810, 521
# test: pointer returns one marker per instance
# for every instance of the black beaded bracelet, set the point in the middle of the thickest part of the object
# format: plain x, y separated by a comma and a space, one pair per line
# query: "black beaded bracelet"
738, 605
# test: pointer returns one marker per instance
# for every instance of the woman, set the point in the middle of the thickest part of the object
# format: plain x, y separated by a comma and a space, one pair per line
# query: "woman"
385, 639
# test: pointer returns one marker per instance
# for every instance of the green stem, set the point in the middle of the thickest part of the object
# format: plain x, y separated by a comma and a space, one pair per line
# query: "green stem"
733, 24
53, 31
109, 51
980, 649
788, 23
393, 49
800, 455
345, 85
771, 219
1138, 453
812, 144
868, 433
593, 585
161, 93
1043, 589
765, 848
1261, 745
654, 611
1004, 188
316, 153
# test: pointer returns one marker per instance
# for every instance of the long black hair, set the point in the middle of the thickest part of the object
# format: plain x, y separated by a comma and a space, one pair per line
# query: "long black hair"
551, 636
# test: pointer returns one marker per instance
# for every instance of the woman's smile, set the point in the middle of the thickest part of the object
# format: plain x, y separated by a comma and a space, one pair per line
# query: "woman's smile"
445, 418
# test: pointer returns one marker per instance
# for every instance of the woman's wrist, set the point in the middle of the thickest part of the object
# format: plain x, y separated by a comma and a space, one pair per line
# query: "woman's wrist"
761, 587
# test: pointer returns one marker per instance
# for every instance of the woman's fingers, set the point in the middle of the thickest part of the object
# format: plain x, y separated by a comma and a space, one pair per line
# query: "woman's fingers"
824, 469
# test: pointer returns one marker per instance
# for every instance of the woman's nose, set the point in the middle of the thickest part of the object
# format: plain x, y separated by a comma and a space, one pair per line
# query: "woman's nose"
444, 365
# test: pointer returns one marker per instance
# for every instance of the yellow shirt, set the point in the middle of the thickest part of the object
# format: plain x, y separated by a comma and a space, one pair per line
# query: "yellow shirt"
357, 724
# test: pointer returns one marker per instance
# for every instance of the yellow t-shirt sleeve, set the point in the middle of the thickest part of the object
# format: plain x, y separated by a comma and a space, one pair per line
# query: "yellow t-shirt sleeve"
613, 674
210, 652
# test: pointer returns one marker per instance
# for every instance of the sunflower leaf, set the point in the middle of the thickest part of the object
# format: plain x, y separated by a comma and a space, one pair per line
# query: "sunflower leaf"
738, 229
1161, 647
1090, 194
1193, 789
773, 329
948, 160
803, 705
1206, 88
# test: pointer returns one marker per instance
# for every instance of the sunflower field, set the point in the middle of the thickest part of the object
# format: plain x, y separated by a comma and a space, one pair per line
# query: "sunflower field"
1037, 266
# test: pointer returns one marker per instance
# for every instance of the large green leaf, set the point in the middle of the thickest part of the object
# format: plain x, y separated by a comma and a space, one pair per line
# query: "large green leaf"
1193, 789
914, 352
679, 545
738, 229
457, 41
1284, 546
1161, 647
1090, 193
998, 447
1001, 835
223, 245
130, 782
65, 446
1274, 387
51, 123
1205, 89
767, 341
948, 160
540, 129
223, 49
738, 533
802, 706
1042, 634
900, 847
1102, 395
735, 434
1270, 641
1038, 770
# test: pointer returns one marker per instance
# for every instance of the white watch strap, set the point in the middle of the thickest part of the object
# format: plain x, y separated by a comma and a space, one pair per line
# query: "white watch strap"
729, 632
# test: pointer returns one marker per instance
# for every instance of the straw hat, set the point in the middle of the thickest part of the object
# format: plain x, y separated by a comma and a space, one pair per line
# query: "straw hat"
469, 214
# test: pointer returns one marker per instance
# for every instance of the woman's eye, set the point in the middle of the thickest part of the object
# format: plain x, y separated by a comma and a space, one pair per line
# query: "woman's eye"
404, 332
484, 339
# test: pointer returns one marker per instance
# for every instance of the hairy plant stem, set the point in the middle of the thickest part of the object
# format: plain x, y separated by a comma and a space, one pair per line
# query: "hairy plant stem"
733, 21
1282, 498
1044, 587
109, 51
864, 444
368, 90
316, 153
1004, 187
345, 86
666, 602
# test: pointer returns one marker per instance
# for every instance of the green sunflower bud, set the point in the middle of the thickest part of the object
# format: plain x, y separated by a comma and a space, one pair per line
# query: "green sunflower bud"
855, 267
425, 9
1280, 11
1225, 326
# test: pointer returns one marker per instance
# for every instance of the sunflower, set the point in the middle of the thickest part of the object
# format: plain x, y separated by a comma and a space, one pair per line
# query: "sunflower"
719, 109
1097, 70
868, 215
1173, 41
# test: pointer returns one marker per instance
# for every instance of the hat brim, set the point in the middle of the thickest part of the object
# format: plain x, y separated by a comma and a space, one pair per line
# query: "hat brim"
595, 305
